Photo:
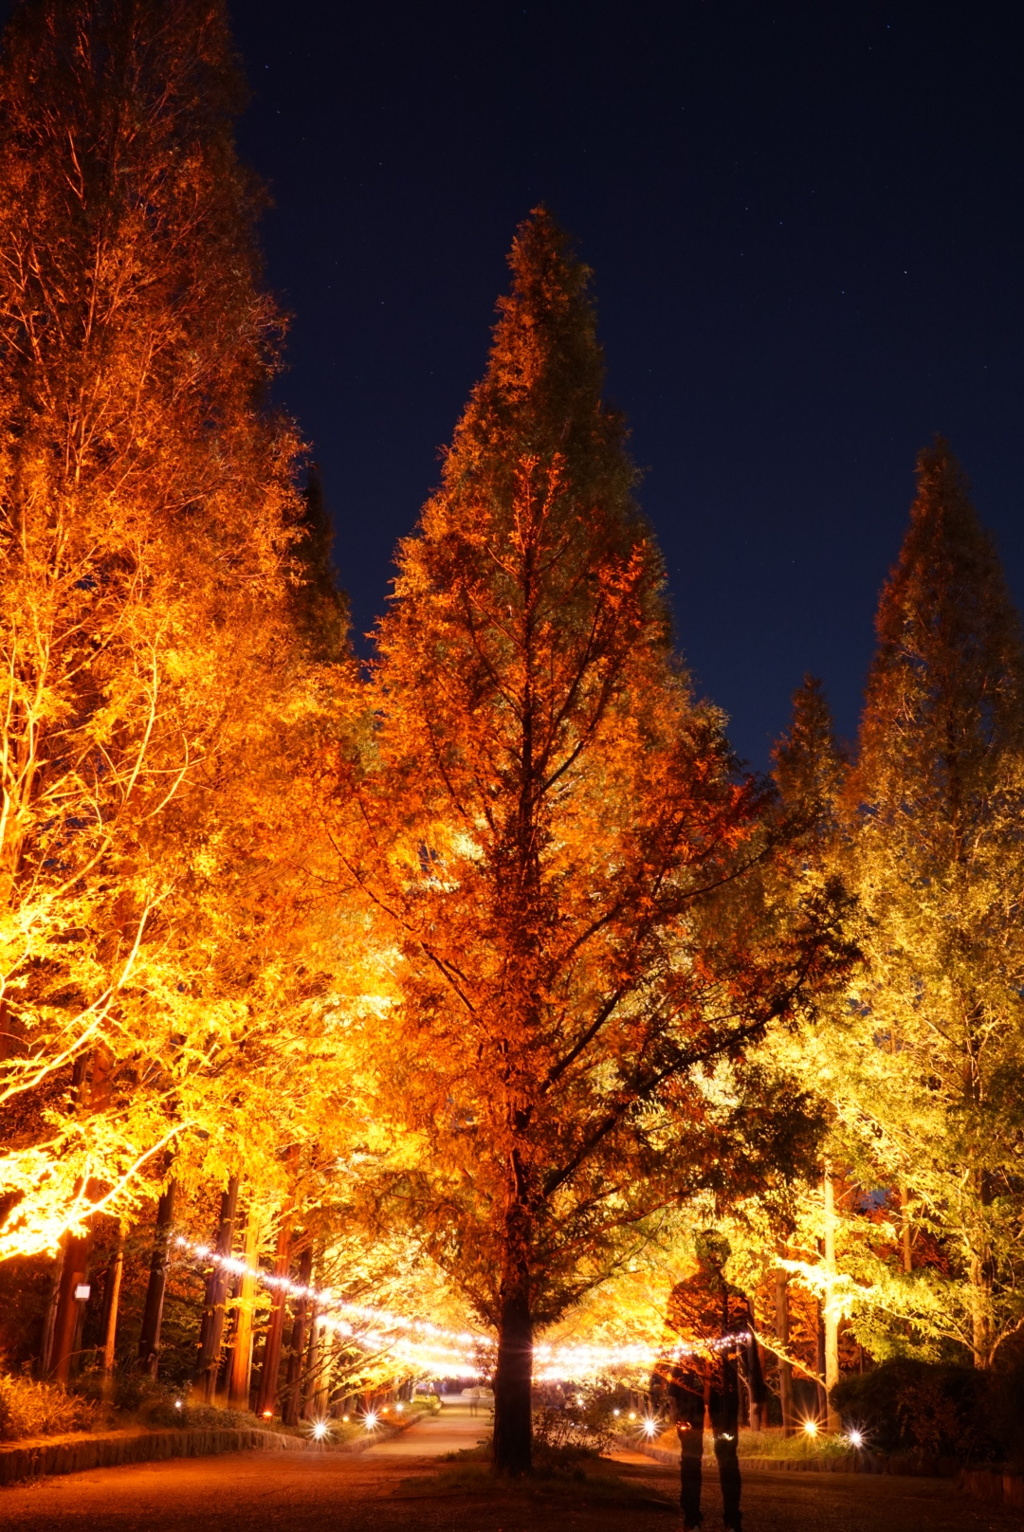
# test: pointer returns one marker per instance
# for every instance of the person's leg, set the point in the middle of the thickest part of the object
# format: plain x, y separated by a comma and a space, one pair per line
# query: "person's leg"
690, 1427
724, 1410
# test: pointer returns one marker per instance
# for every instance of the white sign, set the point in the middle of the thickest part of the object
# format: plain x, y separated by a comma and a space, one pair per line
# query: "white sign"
83, 1290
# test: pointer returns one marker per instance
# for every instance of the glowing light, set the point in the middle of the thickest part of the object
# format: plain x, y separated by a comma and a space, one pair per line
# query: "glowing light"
616, 1412
345, 1418
320, 1429
177, 1404
428, 1348
650, 1427
370, 1420
632, 1414
855, 1439
385, 1409
811, 1427
399, 1408
268, 1414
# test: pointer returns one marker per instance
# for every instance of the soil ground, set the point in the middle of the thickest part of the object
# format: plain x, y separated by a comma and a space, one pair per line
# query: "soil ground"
404, 1486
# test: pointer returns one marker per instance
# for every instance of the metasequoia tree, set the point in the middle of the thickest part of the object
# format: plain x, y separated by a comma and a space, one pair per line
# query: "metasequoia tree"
147, 512
580, 889
940, 876
917, 1062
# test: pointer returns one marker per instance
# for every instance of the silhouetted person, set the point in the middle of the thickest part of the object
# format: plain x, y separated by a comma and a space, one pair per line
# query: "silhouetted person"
715, 1323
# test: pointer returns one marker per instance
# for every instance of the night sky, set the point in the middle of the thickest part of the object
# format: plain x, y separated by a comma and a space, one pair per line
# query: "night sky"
805, 222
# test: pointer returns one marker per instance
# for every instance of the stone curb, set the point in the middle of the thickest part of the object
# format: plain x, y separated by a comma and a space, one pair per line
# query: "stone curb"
42, 1456
994, 1484
111, 1449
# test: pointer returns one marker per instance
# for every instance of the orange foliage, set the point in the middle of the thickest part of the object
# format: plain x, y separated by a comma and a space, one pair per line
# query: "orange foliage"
554, 836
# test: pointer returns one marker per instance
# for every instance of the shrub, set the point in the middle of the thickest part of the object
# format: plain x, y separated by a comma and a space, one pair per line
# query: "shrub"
577, 1423
925, 1408
28, 1408
1007, 1397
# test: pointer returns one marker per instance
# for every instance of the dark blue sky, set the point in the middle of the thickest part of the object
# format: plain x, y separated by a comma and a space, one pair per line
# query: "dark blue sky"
806, 225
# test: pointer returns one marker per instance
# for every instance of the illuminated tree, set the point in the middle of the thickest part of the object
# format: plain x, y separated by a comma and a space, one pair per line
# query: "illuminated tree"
150, 668
941, 881
581, 889
916, 1063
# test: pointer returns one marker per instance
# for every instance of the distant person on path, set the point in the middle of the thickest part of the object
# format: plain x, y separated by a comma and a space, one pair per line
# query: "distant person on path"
715, 1323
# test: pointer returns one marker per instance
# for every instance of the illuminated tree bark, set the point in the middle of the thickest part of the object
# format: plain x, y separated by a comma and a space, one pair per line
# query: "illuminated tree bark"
785, 1368
266, 1401
831, 1312
291, 1412
156, 1287
240, 1364
74, 1274
111, 1304
215, 1302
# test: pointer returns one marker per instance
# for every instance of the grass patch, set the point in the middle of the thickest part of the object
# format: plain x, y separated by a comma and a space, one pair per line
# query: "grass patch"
769, 1444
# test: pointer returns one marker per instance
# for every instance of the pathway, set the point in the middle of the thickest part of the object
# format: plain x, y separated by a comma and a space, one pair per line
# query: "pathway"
454, 1428
409, 1491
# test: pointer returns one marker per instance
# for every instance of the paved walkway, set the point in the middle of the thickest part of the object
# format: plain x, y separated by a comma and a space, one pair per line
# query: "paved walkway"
381, 1491
458, 1425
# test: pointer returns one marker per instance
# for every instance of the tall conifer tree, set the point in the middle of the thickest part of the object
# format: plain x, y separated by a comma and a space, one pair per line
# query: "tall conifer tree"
938, 870
580, 884
147, 519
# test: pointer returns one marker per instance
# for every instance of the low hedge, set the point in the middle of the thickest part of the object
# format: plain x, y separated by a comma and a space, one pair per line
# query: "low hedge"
938, 1410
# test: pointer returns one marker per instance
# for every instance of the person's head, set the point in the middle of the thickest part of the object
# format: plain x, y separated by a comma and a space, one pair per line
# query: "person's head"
711, 1248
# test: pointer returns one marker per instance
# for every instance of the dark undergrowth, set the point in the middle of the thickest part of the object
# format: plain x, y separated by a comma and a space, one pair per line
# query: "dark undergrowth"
581, 1475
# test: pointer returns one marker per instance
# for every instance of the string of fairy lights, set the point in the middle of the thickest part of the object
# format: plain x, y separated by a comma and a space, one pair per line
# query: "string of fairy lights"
435, 1350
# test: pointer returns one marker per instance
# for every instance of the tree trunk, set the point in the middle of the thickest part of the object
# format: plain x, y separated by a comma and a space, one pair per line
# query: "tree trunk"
46, 1344
111, 1301
819, 1359
240, 1369
212, 1332
981, 1311
322, 1398
266, 1401
74, 1268
297, 1347
74, 1271
905, 1229
153, 1313
513, 1377
831, 1314
785, 1368
311, 1370
979, 1271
